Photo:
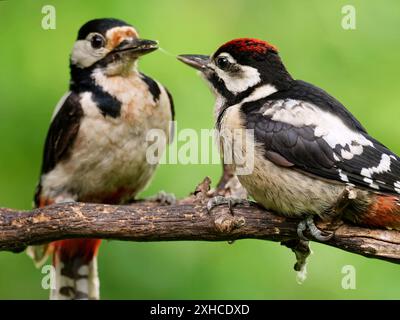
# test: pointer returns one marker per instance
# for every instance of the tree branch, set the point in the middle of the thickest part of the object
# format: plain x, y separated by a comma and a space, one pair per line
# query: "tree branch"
188, 219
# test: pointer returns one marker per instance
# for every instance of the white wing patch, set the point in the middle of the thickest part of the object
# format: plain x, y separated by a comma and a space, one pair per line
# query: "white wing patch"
327, 125
343, 176
383, 166
397, 186
371, 183
357, 159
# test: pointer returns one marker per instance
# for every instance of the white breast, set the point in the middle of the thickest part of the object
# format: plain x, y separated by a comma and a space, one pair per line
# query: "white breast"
110, 153
283, 190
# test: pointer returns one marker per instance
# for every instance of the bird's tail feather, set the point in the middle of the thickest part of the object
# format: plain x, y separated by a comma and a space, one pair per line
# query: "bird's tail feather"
39, 254
76, 276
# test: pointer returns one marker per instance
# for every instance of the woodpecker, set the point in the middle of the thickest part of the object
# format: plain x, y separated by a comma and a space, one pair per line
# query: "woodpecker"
312, 157
95, 150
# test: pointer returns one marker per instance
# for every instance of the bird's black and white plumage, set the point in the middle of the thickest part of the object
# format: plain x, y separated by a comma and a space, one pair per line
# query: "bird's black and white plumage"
308, 149
95, 149
314, 133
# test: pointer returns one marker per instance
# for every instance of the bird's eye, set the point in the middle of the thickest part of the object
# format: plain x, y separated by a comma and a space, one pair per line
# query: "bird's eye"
222, 63
97, 41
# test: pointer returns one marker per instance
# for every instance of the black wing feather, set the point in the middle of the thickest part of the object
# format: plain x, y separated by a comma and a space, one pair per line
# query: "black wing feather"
172, 109
155, 90
313, 155
171, 103
60, 137
301, 90
62, 133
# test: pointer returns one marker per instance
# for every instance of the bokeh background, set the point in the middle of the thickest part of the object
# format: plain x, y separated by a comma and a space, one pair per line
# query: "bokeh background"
360, 67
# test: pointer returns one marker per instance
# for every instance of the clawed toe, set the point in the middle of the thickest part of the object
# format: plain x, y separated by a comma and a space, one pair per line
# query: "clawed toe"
164, 198
315, 232
230, 201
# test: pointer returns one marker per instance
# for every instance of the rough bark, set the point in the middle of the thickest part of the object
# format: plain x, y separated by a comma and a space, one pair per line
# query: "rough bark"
187, 219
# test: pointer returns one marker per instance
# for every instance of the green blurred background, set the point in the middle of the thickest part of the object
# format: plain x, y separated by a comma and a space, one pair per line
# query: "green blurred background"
360, 67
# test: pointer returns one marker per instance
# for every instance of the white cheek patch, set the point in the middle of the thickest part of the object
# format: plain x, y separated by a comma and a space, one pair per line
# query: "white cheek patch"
244, 79
248, 78
84, 55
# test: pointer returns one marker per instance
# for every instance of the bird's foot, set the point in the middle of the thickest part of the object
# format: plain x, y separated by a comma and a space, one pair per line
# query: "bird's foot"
302, 250
308, 223
164, 198
230, 201
64, 199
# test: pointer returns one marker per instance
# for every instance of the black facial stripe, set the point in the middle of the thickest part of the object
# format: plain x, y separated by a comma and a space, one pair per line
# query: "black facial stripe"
153, 87
109, 105
83, 82
233, 100
219, 86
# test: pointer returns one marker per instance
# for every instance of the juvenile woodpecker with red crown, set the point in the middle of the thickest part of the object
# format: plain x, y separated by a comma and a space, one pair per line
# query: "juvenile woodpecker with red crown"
309, 150
95, 149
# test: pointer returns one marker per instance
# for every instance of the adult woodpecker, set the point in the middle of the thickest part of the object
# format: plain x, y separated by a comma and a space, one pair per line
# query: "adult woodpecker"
95, 149
309, 150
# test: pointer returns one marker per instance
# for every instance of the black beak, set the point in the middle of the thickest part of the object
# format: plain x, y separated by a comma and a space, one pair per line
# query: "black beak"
196, 61
137, 46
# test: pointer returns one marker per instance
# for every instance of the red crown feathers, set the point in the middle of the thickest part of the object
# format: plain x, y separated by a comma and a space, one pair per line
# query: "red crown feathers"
248, 44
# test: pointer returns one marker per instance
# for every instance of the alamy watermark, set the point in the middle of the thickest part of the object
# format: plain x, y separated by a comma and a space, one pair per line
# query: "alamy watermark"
236, 146
49, 279
49, 19
349, 278
349, 17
